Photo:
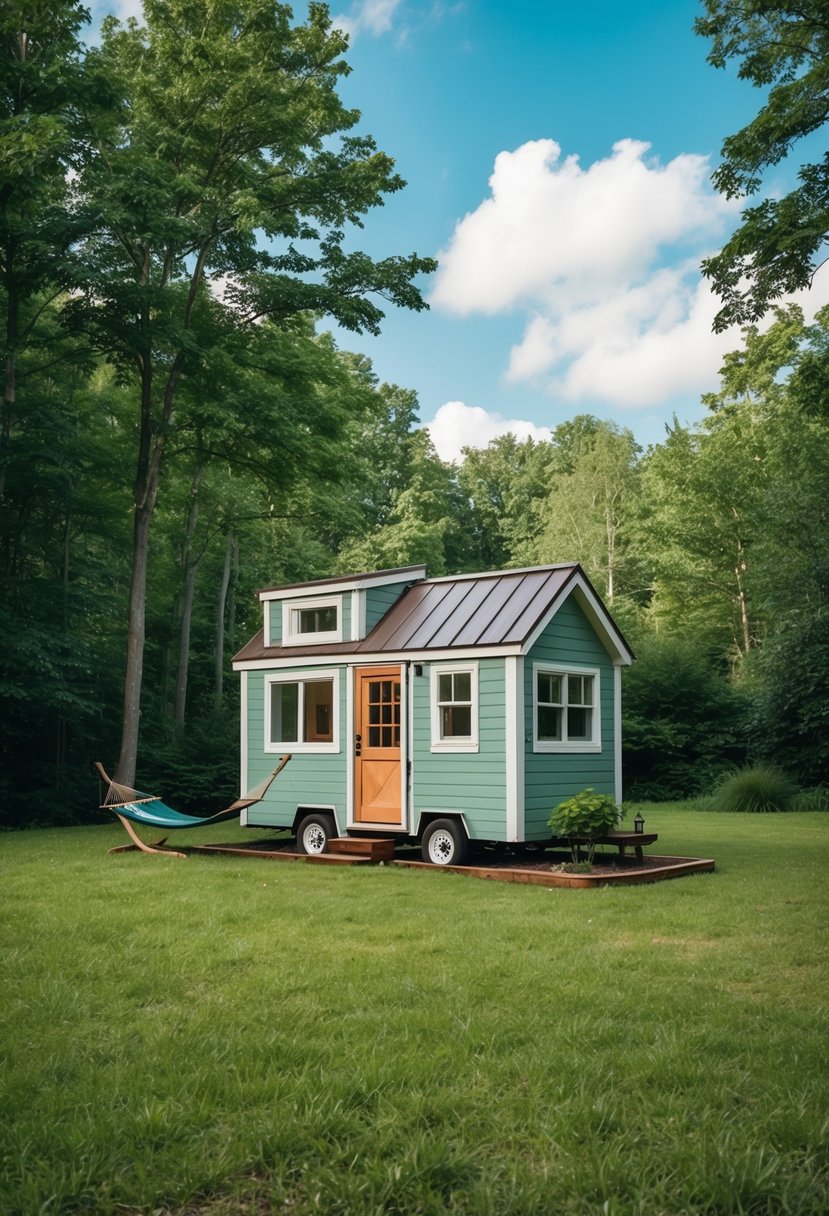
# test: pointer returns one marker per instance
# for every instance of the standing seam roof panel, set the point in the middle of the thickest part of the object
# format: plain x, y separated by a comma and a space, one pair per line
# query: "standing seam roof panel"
389, 626
501, 627
458, 619
544, 599
440, 602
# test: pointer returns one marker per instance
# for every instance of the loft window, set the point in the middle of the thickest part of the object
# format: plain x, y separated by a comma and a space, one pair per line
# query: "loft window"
566, 709
306, 622
301, 714
455, 708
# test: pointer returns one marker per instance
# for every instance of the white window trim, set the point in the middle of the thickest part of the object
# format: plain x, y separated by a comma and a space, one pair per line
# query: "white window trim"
565, 745
302, 678
459, 743
291, 635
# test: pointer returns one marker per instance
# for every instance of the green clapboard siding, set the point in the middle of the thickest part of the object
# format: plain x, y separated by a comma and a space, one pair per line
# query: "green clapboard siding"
552, 777
380, 599
469, 783
315, 779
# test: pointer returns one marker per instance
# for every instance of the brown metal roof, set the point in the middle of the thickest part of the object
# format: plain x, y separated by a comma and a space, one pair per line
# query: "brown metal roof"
496, 609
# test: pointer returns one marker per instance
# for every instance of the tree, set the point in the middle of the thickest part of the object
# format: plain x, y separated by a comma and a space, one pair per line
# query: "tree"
502, 482
587, 512
779, 244
222, 163
46, 96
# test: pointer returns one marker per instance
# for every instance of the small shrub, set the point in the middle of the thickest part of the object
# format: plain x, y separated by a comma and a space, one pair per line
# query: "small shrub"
811, 800
588, 815
761, 788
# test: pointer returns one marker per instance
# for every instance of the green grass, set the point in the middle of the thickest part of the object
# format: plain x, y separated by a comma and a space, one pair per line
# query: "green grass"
219, 1036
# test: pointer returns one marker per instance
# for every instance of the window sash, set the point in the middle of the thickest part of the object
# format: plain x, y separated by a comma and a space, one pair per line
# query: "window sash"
301, 713
455, 708
565, 709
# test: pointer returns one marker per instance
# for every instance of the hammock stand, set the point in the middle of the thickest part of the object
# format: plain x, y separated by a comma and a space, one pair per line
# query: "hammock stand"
131, 805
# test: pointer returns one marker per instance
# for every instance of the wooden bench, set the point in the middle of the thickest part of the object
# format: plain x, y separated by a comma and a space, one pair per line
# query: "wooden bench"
622, 840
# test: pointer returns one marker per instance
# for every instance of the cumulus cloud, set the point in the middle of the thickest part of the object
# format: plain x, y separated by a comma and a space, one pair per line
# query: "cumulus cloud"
456, 425
604, 261
369, 16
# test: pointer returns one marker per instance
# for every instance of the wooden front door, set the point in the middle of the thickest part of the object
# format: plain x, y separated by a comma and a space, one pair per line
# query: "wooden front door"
377, 727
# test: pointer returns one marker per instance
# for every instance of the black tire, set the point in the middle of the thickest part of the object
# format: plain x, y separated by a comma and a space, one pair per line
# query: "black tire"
314, 833
445, 843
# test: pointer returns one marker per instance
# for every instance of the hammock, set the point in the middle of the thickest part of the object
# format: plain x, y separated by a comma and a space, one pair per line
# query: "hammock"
131, 805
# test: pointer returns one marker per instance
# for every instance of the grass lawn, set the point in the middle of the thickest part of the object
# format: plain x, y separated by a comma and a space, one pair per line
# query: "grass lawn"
219, 1036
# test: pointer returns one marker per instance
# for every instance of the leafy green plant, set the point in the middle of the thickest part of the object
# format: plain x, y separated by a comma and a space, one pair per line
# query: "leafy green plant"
584, 817
759, 788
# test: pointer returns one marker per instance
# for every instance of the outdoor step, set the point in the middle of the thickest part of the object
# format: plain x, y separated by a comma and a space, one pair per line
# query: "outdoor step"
375, 848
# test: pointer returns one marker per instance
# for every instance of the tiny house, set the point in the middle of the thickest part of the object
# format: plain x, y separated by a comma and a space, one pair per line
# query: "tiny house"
444, 711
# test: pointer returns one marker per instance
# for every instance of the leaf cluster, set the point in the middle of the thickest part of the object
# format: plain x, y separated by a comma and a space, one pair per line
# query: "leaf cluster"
782, 47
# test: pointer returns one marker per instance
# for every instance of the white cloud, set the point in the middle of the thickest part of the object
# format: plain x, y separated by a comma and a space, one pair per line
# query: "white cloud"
456, 425
605, 263
123, 9
372, 16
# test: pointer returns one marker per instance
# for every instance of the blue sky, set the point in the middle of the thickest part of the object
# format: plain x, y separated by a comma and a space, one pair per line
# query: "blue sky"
558, 161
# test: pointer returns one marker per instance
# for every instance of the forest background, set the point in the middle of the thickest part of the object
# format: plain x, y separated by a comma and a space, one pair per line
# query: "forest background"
178, 432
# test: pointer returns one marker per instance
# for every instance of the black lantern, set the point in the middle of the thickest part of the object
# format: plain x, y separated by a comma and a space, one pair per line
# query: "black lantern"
639, 823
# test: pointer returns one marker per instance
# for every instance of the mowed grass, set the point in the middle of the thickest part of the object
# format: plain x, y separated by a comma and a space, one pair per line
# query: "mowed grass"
218, 1036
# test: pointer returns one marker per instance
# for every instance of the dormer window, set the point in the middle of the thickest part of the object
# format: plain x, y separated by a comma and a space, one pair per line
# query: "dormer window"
307, 622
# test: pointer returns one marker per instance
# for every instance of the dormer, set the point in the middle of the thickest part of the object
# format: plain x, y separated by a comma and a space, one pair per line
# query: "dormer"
330, 610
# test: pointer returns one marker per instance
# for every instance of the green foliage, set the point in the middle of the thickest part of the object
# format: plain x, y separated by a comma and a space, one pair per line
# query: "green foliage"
683, 721
811, 800
760, 788
782, 48
586, 814
587, 512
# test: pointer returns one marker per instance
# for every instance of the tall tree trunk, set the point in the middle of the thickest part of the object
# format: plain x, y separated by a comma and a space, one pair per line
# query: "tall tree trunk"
127, 760
146, 491
739, 570
218, 689
189, 586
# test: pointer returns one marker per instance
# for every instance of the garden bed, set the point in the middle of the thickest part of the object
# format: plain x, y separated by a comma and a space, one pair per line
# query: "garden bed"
608, 870
605, 872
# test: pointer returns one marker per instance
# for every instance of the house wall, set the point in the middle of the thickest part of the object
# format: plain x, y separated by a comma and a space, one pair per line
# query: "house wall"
469, 783
310, 779
550, 777
380, 599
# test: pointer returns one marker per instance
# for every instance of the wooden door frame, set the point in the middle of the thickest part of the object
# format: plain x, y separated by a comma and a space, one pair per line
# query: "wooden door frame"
400, 669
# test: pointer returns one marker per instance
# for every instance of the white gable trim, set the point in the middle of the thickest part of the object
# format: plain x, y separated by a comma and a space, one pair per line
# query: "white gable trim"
596, 614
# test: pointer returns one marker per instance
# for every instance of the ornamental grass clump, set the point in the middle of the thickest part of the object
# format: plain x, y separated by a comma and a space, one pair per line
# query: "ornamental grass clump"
758, 789
582, 818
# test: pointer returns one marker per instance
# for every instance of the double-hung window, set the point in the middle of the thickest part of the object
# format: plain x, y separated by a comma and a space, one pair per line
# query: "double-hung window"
454, 692
301, 713
566, 709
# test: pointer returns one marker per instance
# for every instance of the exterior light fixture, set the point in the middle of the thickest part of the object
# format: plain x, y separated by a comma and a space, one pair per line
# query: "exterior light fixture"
638, 823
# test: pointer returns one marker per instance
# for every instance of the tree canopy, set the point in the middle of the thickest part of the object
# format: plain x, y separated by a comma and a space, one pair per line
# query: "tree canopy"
782, 47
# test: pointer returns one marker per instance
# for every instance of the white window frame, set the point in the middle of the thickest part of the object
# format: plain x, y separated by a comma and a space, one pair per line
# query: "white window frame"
291, 633
594, 743
303, 678
457, 743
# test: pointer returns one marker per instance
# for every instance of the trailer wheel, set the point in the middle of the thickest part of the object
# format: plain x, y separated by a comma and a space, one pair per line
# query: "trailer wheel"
445, 843
314, 833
